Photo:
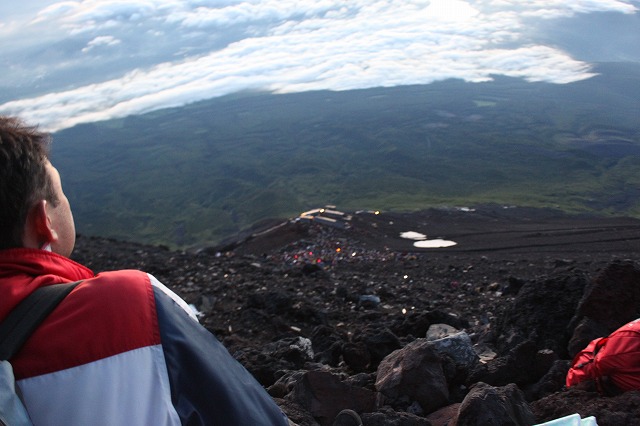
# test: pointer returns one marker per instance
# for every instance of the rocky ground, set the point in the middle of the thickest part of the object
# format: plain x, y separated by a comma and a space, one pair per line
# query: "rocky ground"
313, 310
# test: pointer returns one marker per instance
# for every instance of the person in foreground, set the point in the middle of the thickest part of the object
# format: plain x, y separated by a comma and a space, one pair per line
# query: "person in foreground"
121, 349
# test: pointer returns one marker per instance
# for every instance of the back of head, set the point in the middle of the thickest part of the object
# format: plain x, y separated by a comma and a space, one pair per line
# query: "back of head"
23, 177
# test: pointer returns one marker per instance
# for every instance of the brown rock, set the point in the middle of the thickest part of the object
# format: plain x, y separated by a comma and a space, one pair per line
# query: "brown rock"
444, 416
324, 395
611, 300
541, 312
414, 373
488, 405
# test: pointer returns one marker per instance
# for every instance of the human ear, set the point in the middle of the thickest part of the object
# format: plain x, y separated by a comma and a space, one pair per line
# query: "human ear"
42, 224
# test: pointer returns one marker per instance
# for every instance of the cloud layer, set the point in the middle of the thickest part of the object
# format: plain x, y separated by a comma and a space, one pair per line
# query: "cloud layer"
83, 61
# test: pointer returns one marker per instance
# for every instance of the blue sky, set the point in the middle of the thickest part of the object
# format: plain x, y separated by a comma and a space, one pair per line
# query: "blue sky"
68, 62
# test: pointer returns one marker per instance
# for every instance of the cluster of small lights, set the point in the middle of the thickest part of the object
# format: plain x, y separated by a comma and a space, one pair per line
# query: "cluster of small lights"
328, 252
307, 255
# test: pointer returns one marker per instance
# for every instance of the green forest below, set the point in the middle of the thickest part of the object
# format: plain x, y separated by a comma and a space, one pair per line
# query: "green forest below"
201, 173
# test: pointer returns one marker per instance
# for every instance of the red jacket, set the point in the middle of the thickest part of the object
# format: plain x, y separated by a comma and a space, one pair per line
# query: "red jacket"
616, 357
123, 349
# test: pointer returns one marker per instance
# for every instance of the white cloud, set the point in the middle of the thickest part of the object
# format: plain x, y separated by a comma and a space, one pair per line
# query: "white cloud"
101, 41
288, 46
80, 12
451, 10
57, 11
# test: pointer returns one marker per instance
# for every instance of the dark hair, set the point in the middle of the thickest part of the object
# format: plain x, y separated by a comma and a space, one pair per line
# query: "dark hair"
24, 180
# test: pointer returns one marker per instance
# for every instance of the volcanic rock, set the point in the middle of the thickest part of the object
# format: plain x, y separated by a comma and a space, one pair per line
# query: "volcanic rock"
487, 405
611, 300
413, 374
528, 288
324, 395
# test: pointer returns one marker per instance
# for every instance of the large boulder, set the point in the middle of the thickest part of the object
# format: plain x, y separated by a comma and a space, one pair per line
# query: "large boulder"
541, 312
488, 405
611, 300
324, 395
459, 348
413, 374
518, 366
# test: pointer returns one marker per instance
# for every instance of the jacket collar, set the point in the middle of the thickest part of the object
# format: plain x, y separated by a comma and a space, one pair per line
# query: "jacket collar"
40, 265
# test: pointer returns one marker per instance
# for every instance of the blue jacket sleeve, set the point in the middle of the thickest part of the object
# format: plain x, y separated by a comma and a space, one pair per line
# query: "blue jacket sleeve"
208, 386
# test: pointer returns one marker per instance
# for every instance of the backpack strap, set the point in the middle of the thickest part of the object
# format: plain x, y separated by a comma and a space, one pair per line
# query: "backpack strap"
25, 318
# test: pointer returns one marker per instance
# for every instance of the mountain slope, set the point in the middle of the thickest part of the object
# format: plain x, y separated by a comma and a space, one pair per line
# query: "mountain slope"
199, 173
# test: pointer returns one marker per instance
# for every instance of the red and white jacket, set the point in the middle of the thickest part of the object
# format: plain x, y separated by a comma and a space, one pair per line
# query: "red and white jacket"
122, 349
